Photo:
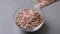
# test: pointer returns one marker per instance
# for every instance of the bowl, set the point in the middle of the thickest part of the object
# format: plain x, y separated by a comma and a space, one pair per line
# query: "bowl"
36, 28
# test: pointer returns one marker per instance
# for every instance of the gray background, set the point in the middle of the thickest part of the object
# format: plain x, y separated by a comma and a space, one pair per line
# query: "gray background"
8, 26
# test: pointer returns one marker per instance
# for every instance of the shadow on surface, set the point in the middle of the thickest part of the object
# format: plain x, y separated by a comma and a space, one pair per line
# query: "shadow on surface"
42, 30
57, 0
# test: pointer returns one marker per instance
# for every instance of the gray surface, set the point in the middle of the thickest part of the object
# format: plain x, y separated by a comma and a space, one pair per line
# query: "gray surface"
7, 10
